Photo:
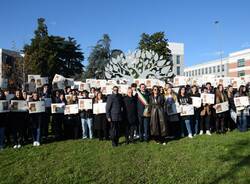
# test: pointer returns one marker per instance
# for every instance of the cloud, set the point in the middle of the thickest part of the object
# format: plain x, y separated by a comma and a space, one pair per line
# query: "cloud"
245, 45
214, 53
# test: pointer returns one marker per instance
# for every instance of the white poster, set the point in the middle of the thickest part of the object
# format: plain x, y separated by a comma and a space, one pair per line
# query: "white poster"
107, 90
84, 86
99, 108
68, 82
36, 107
57, 108
71, 109
57, 78
222, 107
18, 105
173, 109
4, 106
85, 104
207, 98
196, 101
241, 101
187, 110
123, 89
180, 81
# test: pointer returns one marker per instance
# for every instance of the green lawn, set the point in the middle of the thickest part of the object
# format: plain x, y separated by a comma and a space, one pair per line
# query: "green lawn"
204, 159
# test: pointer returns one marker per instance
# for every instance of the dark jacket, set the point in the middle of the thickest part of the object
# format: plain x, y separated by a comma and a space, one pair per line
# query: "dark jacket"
114, 107
130, 109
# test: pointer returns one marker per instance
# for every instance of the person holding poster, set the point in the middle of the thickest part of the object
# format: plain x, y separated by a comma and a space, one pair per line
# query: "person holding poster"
58, 118
220, 97
142, 111
158, 127
130, 113
100, 121
3, 122
185, 99
114, 114
17, 122
196, 117
171, 114
230, 95
205, 114
36, 121
241, 114
86, 116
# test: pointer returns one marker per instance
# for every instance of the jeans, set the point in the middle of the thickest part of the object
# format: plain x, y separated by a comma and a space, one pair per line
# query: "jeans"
87, 127
37, 134
187, 124
143, 128
1, 137
242, 123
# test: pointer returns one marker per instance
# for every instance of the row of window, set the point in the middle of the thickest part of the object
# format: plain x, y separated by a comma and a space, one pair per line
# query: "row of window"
207, 70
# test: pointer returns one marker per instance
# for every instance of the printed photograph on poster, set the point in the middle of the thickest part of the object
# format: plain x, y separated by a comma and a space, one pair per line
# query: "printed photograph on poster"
196, 101
222, 107
57, 108
187, 110
85, 104
241, 101
99, 108
19, 105
4, 106
71, 109
36, 107
207, 98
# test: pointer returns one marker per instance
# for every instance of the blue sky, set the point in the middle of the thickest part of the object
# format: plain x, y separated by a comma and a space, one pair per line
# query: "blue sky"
187, 21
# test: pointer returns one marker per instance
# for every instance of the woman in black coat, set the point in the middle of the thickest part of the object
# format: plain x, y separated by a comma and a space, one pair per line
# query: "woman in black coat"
130, 114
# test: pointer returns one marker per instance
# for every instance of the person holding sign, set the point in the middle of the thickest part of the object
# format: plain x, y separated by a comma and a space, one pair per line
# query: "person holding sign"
158, 127
100, 121
18, 120
143, 113
114, 114
36, 121
242, 110
220, 97
86, 116
185, 99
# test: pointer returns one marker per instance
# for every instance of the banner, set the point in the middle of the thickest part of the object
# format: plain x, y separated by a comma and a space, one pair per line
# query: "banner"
196, 101
36, 107
99, 108
207, 98
71, 109
18, 105
85, 104
4, 106
221, 107
241, 101
187, 110
57, 108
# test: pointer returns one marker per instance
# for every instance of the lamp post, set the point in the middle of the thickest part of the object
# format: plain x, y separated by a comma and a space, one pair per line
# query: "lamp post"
220, 44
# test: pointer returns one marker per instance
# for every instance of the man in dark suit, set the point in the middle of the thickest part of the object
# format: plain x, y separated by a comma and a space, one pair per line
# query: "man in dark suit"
114, 108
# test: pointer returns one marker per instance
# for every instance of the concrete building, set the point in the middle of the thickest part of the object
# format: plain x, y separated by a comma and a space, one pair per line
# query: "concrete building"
236, 64
177, 50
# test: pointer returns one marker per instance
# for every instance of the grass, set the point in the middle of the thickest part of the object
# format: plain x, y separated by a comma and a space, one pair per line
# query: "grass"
204, 159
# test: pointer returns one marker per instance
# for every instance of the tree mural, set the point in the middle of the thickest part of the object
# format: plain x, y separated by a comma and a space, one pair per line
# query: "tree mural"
139, 64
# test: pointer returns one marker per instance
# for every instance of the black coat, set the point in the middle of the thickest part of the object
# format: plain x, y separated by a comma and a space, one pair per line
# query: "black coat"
114, 107
130, 109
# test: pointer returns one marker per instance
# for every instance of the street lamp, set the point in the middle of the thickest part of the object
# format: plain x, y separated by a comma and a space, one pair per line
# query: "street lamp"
220, 44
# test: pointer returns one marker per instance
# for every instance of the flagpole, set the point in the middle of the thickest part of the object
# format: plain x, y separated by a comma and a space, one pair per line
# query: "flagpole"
220, 44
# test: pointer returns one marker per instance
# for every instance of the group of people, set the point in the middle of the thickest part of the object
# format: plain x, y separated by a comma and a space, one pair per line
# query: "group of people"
141, 114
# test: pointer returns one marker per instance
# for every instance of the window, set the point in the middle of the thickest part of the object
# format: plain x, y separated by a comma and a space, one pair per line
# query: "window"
241, 73
178, 59
202, 71
222, 68
189, 73
214, 69
218, 68
210, 69
199, 71
195, 72
206, 70
241, 62
192, 73
178, 70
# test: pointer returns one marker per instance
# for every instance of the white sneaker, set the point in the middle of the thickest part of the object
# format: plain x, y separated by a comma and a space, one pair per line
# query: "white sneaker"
190, 136
195, 135
85, 137
34, 143
15, 146
208, 132
164, 144
37, 143
201, 132
19, 146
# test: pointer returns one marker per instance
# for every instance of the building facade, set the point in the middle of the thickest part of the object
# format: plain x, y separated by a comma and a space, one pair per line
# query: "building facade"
177, 51
236, 64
